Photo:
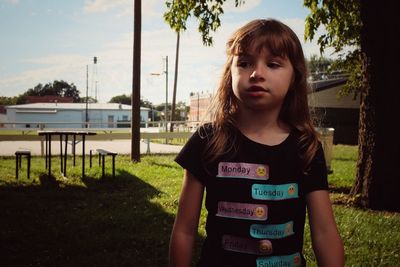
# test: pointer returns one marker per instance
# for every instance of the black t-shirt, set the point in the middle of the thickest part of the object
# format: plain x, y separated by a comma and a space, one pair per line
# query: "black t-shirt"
255, 198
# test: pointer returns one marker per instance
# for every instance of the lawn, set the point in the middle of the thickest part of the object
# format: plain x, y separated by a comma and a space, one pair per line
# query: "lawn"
126, 221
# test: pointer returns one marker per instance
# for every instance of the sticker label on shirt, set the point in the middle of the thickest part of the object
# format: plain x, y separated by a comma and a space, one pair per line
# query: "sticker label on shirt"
246, 245
243, 170
242, 211
292, 260
275, 192
272, 231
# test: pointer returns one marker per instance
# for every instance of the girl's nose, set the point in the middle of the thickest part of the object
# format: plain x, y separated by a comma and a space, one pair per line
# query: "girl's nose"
257, 76
258, 73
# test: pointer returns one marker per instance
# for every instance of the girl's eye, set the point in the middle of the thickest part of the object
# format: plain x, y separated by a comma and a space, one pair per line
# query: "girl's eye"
273, 65
243, 64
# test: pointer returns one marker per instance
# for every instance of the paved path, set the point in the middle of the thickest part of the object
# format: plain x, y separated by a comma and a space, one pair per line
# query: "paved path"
8, 148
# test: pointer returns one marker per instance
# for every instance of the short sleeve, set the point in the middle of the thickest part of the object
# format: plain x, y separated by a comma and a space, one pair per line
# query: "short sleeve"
191, 156
317, 175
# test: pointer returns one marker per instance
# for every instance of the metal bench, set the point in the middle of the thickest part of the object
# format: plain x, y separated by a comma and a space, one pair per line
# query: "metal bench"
18, 159
102, 153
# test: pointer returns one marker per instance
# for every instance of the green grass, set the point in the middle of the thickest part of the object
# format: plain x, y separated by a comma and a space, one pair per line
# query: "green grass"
127, 221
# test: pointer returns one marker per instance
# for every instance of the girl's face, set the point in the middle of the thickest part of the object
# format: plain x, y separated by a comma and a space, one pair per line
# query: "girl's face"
261, 80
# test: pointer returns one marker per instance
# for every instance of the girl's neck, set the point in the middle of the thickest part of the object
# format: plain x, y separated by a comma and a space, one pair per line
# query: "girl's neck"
262, 127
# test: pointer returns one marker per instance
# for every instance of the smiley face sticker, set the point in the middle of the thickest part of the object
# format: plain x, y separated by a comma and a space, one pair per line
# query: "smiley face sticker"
261, 171
265, 247
289, 228
296, 260
260, 212
291, 190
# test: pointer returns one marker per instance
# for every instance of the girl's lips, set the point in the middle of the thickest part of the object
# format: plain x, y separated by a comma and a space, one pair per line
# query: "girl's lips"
256, 89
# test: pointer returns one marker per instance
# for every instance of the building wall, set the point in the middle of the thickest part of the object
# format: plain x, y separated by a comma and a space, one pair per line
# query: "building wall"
340, 113
330, 98
343, 120
199, 104
58, 117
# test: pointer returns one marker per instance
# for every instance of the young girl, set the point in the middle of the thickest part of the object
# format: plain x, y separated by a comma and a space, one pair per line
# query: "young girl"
259, 161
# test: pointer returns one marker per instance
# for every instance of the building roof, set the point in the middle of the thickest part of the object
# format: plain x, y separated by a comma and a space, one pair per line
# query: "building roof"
327, 84
75, 106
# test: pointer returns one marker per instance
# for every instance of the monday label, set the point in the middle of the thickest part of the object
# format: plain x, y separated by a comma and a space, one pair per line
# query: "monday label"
242, 211
275, 192
243, 170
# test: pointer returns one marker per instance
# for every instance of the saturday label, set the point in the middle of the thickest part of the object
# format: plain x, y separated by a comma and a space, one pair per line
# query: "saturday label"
292, 260
275, 192
242, 211
243, 170
272, 231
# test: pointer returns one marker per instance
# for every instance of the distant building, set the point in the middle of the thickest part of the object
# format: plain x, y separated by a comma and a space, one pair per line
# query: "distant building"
340, 113
199, 103
72, 115
49, 99
3, 115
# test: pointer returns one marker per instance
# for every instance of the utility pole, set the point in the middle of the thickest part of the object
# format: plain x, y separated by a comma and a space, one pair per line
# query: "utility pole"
95, 77
166, 94
165, 71
87, 97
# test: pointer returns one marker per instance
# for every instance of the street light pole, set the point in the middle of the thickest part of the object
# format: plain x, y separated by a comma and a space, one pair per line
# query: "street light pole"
166, 94
87, 92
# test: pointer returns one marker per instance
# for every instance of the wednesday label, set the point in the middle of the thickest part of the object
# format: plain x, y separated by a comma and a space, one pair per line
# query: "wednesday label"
292, 260
272, 231
242, 211
243, 170
275, 192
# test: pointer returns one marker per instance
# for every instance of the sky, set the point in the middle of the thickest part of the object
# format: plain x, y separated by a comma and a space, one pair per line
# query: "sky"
46, 40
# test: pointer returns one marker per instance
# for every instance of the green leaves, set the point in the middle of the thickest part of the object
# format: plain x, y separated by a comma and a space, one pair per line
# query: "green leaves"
342, 22
207, 12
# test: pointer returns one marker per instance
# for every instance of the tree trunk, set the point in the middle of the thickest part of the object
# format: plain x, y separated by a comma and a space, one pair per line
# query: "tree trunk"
135, 117
175, 82
378, 167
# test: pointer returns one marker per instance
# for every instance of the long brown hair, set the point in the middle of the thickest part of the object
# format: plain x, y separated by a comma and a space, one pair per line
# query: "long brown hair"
280, 40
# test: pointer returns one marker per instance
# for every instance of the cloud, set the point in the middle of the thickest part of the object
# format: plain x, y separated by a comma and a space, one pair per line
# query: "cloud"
99, 6
151, 8
13, 2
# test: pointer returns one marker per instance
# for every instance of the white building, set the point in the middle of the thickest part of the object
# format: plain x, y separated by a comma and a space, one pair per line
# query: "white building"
72, 115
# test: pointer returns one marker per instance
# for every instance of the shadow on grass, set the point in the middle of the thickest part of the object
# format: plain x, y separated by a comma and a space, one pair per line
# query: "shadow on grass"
110, 222
340, 189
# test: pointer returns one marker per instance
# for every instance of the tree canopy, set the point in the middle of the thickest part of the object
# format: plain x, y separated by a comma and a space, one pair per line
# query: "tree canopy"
207, 12
56, 88
122, 99
342, 22
366, 27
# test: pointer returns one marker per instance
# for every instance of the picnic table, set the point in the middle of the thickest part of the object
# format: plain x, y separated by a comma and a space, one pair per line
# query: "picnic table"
63, 137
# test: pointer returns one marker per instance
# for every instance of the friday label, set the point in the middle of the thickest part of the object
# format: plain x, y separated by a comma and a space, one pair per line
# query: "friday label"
246, 245
272, 231
274, 192
243, 170
242, 211
292, 260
